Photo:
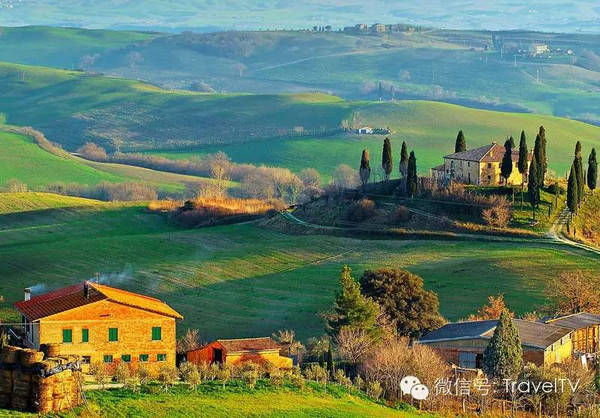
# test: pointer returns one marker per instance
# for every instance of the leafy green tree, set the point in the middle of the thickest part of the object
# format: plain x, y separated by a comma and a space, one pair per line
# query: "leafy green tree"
402, 297
506, 166
412, 179
503, 357
533, 185
365, 167
592, 172
523, 156
573, 190
579, 173
386, 159
544, 159
352, 309
403, 160
539, 159
461, 143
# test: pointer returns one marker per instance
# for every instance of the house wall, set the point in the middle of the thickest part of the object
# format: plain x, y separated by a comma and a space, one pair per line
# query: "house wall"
464, 171
585, 340
205, 355
134, 333
559, 351
490, 174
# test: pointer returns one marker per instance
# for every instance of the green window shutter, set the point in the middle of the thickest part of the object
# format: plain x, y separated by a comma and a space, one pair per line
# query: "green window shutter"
143, 358
67, 335
156, 333
85, 335
108, 358
113, 334
126, 358
161, 357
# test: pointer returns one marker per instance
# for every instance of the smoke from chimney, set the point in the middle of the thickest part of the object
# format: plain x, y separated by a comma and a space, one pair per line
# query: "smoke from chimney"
27, 293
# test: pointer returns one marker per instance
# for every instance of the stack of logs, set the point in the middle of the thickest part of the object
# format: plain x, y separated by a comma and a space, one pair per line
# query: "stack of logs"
30, 382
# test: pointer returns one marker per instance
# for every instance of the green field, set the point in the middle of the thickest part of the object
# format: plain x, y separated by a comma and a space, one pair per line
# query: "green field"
236, 400
428, 127
243, 280
23, 160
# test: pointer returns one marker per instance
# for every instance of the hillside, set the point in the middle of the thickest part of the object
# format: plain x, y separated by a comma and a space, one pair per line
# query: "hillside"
252, 281
483, 69
235, 400
72, 108
23, 160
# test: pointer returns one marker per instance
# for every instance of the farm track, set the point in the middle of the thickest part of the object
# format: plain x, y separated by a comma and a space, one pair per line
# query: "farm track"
555, 233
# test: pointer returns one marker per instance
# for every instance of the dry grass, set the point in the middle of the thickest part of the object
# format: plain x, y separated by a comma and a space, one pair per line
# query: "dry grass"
164, 205
235, 206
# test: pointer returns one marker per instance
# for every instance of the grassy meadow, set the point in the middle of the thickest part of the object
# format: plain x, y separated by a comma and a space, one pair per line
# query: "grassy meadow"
22, 159
244, 280
235, 400
429, 128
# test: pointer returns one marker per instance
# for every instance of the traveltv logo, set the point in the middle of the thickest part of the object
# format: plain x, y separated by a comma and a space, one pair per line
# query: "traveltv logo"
411, 385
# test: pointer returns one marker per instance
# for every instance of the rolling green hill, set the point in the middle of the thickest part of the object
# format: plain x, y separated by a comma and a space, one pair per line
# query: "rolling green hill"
252, 281
23, 160
72, 108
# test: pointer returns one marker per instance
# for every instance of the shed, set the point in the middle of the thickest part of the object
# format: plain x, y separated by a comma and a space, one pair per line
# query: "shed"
235, 351
586, 331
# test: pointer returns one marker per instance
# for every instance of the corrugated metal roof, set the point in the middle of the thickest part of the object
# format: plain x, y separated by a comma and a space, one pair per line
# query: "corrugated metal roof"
249, 344
72, 297
576, 321
532, 334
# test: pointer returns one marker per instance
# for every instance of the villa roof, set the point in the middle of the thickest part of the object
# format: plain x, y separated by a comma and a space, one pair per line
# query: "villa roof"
488, 153
75, 296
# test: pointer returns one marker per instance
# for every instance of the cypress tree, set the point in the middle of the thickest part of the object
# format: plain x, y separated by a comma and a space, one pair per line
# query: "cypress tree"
351, 308
523, 156
572, 190
503, 357
592, 172
461, 143
539, 158
330, 366
544, 161
386, 158
412, 180
512, 142
579, 172
403, 160
533, 185
365, 167
506, 165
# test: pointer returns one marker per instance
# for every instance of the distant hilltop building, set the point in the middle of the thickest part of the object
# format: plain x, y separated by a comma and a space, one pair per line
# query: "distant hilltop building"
539, 49
479, 166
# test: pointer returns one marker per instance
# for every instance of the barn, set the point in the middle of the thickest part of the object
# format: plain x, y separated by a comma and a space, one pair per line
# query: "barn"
236, 351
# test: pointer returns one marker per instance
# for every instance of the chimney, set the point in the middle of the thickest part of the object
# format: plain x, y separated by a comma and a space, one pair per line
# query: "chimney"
27, 293
86, 290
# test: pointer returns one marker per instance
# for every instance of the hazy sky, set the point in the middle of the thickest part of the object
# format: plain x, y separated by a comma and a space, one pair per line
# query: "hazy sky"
546, 15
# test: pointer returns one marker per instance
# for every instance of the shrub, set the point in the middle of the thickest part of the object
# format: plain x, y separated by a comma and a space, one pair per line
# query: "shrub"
100, 373
401, 215
167, 376
224, 374
93, 152
276, 377
133, 383
374, 390
194, 378
121, 373
360, 211
359, 382
144, 374
250, 377
185, 369
498, 215
341, 378
298, 381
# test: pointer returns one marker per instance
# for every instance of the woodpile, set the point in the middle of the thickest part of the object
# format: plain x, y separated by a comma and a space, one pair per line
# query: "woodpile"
28, 382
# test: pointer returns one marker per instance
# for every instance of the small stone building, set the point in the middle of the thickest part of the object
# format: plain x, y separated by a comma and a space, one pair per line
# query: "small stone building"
237, 351
479, 166
463, 343
100, 323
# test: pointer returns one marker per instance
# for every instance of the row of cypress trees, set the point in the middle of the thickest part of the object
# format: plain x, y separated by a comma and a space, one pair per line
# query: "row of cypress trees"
577, 180
407, 166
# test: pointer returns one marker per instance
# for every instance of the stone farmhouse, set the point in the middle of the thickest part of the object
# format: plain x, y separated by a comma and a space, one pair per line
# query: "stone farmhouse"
479, 166
101, 324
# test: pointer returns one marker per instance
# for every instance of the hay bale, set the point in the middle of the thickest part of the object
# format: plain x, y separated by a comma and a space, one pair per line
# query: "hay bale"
50, 350
9, 354
6, 381
29, 357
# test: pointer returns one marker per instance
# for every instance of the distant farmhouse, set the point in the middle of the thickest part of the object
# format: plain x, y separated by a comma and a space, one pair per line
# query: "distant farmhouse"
238, 351
101, 324
479, 166
543, 343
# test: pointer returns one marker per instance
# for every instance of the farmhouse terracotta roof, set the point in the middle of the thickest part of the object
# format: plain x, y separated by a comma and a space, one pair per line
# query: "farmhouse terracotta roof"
249, 344
74, 296
576, 321
532, 334
488, 154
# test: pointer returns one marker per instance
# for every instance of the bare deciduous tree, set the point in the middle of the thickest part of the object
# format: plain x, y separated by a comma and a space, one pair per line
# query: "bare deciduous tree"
574, 292
353, 344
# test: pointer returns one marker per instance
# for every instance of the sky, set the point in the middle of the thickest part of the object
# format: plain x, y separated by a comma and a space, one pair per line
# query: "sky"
208, 15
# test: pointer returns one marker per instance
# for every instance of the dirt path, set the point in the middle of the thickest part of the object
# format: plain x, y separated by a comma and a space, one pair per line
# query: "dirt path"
555, 233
